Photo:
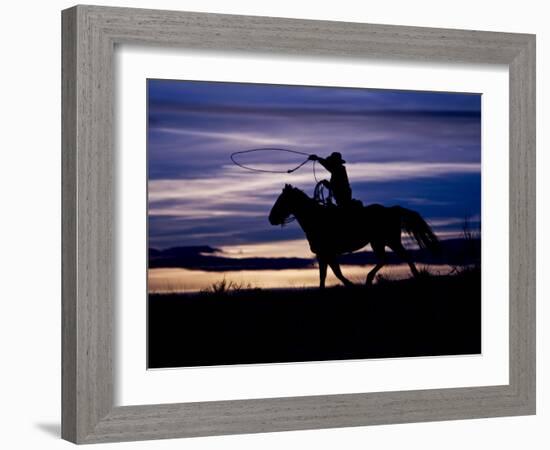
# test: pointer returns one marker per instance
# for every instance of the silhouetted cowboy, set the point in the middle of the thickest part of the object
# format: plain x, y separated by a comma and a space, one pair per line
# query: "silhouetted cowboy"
339, 183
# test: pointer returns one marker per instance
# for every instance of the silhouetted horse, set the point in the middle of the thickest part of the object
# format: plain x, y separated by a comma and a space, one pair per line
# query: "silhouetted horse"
332, 231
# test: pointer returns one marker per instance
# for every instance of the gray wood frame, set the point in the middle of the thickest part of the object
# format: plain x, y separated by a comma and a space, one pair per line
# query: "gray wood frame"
89, 36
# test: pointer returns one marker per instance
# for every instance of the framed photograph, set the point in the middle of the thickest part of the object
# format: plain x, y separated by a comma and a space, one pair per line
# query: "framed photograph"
279, 224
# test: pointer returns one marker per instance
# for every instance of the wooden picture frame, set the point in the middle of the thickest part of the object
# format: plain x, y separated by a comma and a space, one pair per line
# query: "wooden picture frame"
90, 34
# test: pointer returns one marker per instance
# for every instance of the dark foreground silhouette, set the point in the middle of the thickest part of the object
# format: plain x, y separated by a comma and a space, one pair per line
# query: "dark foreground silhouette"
427, 316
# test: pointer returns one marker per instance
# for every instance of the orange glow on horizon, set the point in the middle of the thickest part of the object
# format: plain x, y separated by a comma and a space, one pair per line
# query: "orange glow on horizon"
175, 280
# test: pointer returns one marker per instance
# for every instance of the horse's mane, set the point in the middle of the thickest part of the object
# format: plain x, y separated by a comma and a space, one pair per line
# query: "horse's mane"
300, 193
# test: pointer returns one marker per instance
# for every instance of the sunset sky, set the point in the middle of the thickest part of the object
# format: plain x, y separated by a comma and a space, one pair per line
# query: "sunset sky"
421, 150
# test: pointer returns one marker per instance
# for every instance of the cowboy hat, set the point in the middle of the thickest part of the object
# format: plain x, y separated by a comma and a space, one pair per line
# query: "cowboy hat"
336, 157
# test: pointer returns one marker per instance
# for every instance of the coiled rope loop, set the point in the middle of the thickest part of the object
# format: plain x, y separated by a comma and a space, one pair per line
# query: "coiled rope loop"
267, 149
319, 194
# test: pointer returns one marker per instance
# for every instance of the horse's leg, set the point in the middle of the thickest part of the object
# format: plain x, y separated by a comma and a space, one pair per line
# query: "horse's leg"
333, 263
322, 272
398, 248
380, 253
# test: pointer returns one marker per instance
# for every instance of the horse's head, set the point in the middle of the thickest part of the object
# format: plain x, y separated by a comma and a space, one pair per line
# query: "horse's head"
282, 208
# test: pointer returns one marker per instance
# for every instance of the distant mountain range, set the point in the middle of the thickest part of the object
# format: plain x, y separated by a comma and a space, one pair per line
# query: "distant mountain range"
204, 257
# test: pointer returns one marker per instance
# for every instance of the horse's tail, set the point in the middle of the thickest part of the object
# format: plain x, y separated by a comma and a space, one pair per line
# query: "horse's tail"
418, 228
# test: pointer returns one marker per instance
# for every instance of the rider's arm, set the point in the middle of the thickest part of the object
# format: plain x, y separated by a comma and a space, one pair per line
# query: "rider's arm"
320, 160
324, 163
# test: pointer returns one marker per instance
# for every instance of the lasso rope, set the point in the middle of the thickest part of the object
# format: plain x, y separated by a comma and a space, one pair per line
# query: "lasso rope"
266, 149
253, 169
319, 194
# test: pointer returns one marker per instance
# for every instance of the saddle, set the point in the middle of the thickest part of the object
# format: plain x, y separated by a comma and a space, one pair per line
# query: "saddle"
326, 199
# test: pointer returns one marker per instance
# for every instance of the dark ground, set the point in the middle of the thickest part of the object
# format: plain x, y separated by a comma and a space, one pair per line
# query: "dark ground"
426, 317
